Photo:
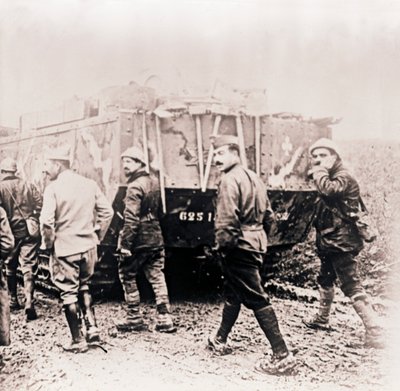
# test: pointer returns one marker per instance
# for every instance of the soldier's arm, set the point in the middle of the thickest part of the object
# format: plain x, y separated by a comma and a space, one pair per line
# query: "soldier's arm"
47, 218
330, 187
7, 241
133, 201
227, 223
104, 213
269, 217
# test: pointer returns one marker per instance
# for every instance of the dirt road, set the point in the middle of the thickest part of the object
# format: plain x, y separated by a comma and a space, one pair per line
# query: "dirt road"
153, 361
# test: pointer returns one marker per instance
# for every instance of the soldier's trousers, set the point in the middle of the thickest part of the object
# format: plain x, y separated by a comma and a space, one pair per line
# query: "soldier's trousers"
151, 262
71, 274
243, 284
342, 266
24, 254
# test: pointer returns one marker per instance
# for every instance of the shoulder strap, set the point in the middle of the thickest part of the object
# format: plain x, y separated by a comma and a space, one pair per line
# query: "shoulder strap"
16, 203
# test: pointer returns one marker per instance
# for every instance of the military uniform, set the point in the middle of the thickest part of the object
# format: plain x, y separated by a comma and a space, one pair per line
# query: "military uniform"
141, 235
70, 231
243, 216
242, 211
338, 242
21, 200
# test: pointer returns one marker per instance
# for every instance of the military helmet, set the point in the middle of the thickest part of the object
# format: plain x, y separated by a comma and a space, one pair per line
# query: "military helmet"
325, 143
134, 153
8, 164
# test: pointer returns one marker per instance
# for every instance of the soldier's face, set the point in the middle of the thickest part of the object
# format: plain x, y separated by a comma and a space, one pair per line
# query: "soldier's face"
130, 166
51, 169
224, 158
323, 157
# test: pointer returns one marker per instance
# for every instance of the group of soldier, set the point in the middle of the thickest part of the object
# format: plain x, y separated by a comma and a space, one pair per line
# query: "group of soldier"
73, 215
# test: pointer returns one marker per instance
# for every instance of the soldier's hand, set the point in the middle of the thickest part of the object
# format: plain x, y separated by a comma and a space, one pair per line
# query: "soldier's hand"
125, 253
328, 161
315, 169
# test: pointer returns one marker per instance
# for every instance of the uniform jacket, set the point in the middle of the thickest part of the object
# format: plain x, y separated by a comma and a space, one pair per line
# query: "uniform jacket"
243, 211
339, 195
141, 229
6, 236
75, 214
29, 201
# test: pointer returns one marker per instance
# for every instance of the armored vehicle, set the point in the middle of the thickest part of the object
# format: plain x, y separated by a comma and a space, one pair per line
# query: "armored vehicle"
174, 133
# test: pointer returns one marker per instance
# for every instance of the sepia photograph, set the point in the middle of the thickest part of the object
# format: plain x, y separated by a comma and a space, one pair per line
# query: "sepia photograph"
199, 195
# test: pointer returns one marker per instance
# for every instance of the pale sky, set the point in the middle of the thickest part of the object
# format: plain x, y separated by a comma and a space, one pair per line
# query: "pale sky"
318, 58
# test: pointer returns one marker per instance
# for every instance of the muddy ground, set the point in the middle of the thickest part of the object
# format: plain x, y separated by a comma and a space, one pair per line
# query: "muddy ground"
153, 361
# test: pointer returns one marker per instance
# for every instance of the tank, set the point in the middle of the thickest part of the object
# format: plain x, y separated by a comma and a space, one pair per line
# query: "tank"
174, 133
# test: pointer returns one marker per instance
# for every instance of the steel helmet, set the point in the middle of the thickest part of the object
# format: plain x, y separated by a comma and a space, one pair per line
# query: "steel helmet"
325, 143
134, 153
8, 164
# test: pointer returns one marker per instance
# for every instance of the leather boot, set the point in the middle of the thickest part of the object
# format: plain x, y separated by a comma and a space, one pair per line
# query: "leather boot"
78, 343
164, 319
269, 324
282, 361
321, 319
92, 331
12, 289
218, 343
230, 314
29, 288
133, 321
373, 332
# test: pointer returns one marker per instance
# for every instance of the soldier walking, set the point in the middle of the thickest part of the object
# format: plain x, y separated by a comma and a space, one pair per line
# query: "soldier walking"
74, 218
21, 200
141, 244
338, 240
243, 216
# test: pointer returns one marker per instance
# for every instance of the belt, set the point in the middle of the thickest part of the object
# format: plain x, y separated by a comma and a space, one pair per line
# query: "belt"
253, 228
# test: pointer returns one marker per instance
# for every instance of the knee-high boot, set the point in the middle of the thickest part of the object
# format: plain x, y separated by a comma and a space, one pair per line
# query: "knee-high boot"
282, 361
78, 343
230, 314
86, 303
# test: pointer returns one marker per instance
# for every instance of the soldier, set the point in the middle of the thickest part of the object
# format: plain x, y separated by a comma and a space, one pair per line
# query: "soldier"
74, 218
20, 200
141, 244
243, 216
338, 240
6, 246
